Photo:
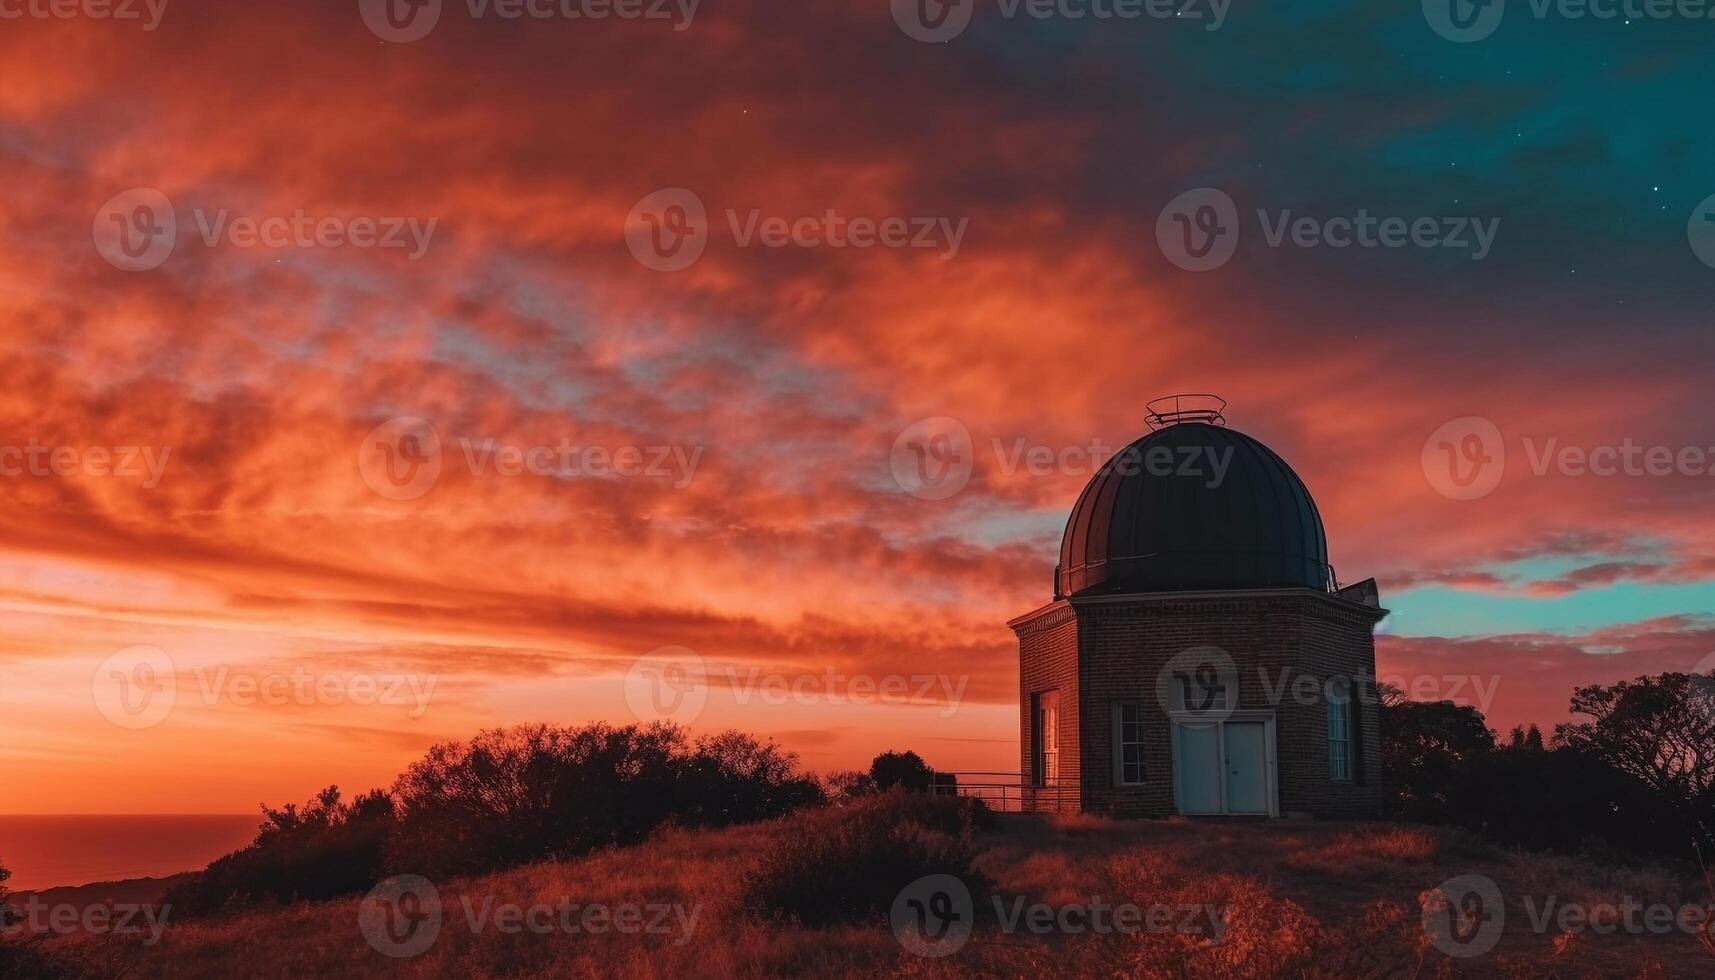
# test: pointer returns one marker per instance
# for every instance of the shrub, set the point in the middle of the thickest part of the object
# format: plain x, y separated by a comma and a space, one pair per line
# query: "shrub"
848, 863
21, 954
902, 770
732, 778
323, 849
506, 797
510, 796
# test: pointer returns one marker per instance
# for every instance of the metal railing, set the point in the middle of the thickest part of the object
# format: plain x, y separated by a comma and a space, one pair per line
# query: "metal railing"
1006, 792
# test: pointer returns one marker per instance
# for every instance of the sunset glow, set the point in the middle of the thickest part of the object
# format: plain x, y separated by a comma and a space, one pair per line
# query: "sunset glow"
708, 458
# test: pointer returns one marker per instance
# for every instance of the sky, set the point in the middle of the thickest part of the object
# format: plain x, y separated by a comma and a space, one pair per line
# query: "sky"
573, 340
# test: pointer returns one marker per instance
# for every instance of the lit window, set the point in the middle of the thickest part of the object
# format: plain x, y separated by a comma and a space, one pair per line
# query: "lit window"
1340, 734
1128, 744
1047, 739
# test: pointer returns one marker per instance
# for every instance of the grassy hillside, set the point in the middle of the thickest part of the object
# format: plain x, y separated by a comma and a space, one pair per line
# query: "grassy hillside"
1276, 899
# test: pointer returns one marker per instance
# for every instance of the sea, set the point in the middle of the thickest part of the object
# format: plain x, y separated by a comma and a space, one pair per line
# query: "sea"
44, 851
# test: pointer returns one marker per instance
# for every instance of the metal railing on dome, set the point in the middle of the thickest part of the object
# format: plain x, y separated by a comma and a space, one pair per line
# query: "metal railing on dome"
1174, 409
1006, 792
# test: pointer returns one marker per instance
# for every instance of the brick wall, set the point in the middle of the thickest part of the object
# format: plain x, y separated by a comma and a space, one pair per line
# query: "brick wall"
1285, 645
1048, 661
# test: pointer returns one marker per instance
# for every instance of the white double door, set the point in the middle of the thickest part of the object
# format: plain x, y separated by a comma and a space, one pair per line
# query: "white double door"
1226, 766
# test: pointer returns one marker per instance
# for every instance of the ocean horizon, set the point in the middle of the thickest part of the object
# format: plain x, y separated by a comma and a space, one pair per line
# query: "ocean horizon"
53, 850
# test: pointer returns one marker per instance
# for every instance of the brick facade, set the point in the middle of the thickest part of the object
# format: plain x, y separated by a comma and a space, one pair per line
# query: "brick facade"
1285, 645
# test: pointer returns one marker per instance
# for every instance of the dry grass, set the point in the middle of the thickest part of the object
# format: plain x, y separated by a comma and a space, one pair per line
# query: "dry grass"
1295, 900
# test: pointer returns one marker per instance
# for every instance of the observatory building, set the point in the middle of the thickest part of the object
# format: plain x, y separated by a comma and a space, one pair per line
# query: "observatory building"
1199, 656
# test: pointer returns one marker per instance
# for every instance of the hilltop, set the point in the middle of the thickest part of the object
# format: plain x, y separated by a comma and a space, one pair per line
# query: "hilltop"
1240, 899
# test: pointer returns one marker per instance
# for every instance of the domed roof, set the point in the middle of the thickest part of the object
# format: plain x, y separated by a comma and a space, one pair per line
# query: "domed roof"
1193, 505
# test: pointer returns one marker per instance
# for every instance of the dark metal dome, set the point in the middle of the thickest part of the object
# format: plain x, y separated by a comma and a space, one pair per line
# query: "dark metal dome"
1193, 505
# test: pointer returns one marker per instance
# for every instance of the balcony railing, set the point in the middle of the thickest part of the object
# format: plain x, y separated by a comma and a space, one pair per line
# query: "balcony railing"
1007, 792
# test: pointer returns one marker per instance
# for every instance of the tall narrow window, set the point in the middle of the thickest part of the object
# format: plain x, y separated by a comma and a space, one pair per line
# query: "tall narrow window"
1128, 744
1340, 733
1047, 738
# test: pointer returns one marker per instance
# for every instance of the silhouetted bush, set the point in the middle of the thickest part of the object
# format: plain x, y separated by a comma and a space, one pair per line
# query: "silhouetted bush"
1639, 778
509, 796
21, 954
849, 863
848, 784
1426, 745
506, 797
902, 770
321, 850
1564, 800
732, 778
